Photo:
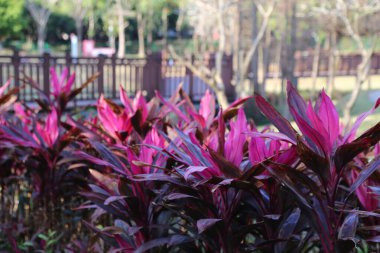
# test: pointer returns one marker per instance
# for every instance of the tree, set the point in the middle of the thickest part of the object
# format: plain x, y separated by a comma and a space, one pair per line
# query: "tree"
211, 18
350, 14
265, 10
10, 18
77, 10
40, 11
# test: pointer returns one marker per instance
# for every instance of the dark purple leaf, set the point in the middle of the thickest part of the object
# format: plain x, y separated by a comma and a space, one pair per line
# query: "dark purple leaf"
315, 162
375, 239
227, 167
174, 196
347, 152
287, 228
282, 176
282, 124
347, 230
366, 173
179, 239
204, 224
113, 198
152, 244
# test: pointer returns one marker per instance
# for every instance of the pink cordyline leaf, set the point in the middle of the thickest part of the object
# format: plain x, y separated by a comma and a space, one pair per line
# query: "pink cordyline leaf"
320, 124
233, 148
270, 145
50, 131
127, 102
24, 115
296, 102
376, 150
173, 108
273, 136
198, 118
147, 154
139, 103
207, 107
61, 85
328, 115
113, 123
366, 196
4, 87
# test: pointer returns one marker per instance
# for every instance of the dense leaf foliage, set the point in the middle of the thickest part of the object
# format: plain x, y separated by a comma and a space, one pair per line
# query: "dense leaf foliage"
166, 176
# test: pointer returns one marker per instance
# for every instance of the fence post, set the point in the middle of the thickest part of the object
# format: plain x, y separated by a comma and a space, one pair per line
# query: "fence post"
191, 78
227, 76
113, 63
16, 65
46, 71
152, 74
68, 60
101, 60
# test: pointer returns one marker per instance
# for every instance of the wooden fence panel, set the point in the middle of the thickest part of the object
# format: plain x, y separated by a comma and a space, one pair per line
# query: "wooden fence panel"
153, 72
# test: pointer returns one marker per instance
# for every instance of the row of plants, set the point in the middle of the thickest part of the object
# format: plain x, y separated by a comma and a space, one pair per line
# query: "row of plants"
164, 176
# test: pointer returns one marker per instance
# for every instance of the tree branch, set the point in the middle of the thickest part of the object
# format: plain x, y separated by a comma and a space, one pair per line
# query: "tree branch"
266, 15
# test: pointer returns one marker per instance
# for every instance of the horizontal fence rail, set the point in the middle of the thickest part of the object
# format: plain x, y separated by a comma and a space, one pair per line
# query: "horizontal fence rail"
345, 65
154, 72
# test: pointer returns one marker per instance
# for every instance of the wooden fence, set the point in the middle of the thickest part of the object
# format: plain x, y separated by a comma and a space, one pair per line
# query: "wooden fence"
345, 65
153, 72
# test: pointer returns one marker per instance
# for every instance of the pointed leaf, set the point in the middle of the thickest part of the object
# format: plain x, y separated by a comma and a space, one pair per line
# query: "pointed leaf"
204, 224
315, 162
282, 124
346, 152
366, 173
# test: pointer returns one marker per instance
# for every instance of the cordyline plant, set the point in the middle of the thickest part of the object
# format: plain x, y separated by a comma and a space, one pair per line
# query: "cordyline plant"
215, 183
39, 146
166, 176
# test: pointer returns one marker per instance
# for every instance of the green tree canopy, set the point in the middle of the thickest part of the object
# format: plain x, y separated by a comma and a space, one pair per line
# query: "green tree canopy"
11, 21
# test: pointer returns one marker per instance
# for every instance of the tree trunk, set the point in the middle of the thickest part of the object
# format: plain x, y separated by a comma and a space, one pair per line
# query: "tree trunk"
220, 86
266, 60
111, 41
289, 45
79, 28
164, 18
255, 56
363, 70
41, 37
314, 73
91, 25
195, 44
121, 34
179, 23
140, 34
331, 64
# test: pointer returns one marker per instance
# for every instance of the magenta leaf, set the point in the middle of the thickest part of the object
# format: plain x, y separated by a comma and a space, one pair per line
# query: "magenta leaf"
296, 102
328, 115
